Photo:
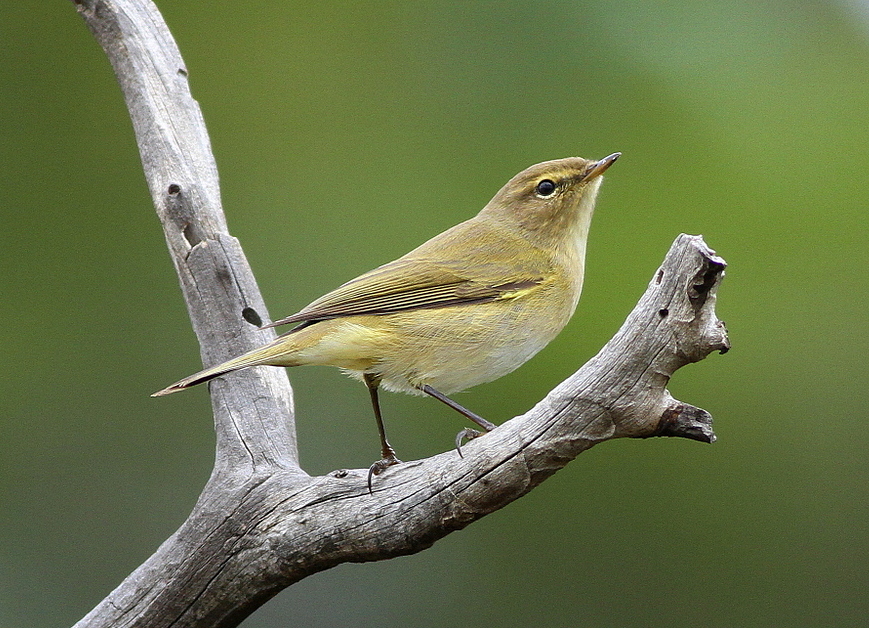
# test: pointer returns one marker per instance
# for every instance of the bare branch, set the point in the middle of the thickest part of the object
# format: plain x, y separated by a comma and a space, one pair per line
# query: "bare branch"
261, 524
253, 411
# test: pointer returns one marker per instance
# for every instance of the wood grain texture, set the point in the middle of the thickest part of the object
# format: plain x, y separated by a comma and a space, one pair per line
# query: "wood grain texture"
253, 412
262, 523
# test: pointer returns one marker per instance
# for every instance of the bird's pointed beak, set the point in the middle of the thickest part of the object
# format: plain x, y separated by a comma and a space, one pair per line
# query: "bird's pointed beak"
597, 168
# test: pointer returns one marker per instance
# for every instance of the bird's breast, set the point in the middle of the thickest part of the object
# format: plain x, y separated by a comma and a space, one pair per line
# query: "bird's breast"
455, 348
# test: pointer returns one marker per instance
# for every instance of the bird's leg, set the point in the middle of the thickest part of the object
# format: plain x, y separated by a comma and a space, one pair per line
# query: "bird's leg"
387, 453
476, 418
386, 449
466, 433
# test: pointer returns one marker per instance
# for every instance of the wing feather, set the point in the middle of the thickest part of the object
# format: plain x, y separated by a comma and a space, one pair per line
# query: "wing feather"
416, 281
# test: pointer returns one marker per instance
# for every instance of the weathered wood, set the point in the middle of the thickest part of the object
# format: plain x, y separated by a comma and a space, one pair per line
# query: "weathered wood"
253, 413
261, 523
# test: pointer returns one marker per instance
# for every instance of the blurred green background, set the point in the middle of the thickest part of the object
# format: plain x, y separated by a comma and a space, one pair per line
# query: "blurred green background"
347, 133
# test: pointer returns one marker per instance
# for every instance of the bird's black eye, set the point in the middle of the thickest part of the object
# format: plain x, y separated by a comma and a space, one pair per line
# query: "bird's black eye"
546, 187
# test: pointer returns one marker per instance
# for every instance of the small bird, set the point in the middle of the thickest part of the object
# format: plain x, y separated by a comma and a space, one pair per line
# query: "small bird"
467, 307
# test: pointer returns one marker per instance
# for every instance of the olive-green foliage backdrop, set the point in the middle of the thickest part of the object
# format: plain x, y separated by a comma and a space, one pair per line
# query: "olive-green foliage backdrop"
346, 133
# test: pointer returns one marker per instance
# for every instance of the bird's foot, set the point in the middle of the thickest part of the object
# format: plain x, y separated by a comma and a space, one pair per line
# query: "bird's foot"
380, 466
466, 434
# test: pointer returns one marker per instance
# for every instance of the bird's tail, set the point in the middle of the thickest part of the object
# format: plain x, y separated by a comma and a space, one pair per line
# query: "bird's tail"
268, 354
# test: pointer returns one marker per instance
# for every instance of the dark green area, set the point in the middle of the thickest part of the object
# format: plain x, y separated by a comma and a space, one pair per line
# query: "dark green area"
346, 134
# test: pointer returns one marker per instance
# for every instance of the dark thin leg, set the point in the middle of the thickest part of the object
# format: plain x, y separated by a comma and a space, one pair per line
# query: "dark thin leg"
386, 451
476, 418
466, 433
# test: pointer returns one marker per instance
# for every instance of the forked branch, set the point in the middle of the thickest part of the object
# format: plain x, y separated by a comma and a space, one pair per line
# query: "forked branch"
261, 523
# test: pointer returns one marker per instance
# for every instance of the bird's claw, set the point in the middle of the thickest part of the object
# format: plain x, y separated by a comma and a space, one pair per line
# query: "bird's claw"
468, 434
380, 466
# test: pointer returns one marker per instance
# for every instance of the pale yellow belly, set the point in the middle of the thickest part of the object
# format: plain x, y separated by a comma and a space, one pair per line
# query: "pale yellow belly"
450, 349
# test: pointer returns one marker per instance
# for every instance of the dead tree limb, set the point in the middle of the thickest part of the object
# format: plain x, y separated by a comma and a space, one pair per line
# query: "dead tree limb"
261, 523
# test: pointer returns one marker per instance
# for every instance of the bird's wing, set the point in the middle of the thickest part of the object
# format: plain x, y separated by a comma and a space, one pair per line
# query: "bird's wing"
417, 281
413, 284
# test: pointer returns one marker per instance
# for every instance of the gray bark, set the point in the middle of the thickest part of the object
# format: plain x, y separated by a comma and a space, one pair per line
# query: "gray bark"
262, 523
